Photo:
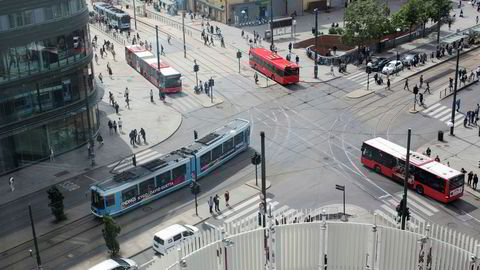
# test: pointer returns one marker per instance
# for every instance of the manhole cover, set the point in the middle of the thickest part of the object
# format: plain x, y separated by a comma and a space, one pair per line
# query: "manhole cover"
147, 209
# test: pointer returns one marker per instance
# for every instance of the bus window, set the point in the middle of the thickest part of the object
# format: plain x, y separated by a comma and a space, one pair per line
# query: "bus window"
205, 159
228, 145
238, 138
129, 193
110, 200
163, 178
216, 152
179, 172
146, 186
367, 151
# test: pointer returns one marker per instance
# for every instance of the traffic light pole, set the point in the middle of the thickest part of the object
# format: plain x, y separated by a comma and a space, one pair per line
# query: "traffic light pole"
37, 252
455, 91
158, 50
271, 25
405, 182
315, 67
264, 191
183, 30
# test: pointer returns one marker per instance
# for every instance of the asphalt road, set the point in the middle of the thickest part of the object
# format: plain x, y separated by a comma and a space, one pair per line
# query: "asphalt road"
313, 137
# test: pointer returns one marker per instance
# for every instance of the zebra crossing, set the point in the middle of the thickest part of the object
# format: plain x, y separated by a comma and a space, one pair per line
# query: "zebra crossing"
420, 209
249, 209
443, 113
142, 157
360, 78
184, 103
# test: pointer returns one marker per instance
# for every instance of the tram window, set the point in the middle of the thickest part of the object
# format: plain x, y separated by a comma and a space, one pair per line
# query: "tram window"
146, 186
163, 178
238, 138
228, 145
205, 159
129, 193
110, 200
179, 171
216, 152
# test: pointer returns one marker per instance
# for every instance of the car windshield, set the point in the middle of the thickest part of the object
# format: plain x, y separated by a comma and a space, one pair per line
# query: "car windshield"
121, 262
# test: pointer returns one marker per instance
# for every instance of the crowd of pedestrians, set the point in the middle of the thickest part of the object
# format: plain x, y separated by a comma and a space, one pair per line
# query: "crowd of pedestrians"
214, 201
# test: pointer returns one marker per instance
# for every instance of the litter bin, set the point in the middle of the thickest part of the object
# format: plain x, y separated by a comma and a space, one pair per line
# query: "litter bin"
440, 135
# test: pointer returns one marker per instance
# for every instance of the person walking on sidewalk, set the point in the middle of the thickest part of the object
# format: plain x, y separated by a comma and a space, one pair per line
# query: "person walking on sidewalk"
100, 77
210, 204
421, 81
161, 50
117, 107
217, 203
144, 135
475, 181
255, 77
120, 124
388, 84
227, 198
406, 85
110, 126
470, 178
127, 102
115, 126
151, 96
134, 160
11, 184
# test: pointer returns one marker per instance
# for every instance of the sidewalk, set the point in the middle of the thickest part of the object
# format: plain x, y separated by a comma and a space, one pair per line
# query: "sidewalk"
158, 120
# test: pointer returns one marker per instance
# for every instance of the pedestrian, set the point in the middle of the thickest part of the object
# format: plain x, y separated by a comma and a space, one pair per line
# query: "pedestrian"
144, 135
216, 200
420, 98
297, 59
243, 33
255, 77
127, 101
475, 181
52, 155
11, 181
227, 198
206, 87
100, 77
428, 151
134, 160
210, 204
96, 59
168, 39
110, 73
427, 89
113, 54
222, 41
458, 105
201, 86
437, 159
139, 138
331, 70
162, 52
388, 83
117, 107
100, 139
421, 81
120, 124
450, 83
151, 95
211, 40
465, 121
470, 178
110, 126
126, 93
115, 126
406, 85
290, 47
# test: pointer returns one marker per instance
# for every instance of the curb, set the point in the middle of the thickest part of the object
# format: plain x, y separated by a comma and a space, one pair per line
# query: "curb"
359, 93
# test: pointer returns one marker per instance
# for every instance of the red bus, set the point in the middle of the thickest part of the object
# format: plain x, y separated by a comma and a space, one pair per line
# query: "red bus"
167, 79
427, 176
273, 66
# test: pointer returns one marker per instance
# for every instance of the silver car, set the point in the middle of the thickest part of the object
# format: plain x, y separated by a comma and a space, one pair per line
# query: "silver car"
392, 67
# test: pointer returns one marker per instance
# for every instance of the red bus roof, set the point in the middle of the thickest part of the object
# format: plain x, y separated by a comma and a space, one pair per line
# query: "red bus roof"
441, 170
135, 48
398, 151
274, 58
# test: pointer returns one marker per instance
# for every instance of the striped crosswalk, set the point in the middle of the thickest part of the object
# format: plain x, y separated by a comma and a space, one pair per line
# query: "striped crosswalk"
420, 209
249, 209
184, 103
141, 157
360, 78
443, 113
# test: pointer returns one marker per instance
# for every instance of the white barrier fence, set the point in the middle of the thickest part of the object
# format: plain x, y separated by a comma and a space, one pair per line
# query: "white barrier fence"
318, 244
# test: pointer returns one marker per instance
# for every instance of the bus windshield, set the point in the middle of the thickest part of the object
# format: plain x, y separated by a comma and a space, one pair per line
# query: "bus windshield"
97, 200
125, 19
456, 182
173, 81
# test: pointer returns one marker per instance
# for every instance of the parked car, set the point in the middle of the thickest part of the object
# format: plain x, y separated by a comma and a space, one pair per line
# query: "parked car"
392, 67
407, 59
116, 264
379, 63
169, 237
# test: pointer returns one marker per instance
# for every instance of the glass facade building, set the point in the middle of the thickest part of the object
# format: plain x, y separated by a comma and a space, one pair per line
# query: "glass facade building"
47, 88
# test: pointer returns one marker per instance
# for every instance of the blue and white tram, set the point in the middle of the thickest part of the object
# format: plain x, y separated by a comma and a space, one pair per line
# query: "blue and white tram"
114, 16
156, 178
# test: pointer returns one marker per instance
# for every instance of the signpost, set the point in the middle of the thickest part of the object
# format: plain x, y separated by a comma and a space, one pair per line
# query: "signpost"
342, 188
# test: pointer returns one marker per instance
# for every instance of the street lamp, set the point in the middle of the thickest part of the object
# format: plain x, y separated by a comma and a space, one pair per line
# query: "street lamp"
196, 68
315, 69
398, 30
369, 70
455, 89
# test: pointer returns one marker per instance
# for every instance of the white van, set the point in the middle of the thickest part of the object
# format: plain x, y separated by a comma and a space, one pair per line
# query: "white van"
171, 236
116, 264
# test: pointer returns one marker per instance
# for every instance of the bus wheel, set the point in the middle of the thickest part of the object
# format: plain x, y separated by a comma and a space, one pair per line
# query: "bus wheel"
419, 189
377, 169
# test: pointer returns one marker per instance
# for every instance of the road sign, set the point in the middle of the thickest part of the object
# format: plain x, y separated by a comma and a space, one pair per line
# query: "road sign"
340, 187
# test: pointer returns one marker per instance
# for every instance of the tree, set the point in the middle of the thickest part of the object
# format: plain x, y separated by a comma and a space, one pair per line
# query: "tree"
438, 11
110, 233
365, 20
56, 203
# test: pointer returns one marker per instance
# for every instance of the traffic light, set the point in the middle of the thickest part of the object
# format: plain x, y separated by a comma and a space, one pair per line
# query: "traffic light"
256, 159
239, 54
313, 30
211, 82
195, 188
196, 68
415, 90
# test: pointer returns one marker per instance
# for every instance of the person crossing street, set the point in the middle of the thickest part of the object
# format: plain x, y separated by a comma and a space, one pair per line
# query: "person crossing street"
406, 85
